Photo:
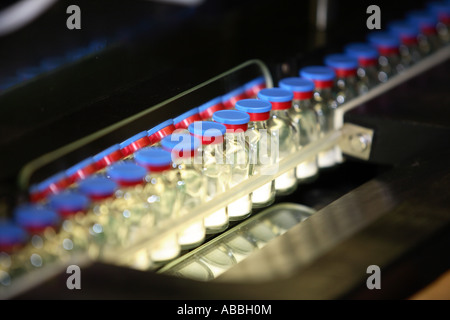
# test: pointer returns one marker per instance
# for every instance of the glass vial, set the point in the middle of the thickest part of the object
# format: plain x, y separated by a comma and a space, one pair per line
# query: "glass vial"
408, 35
345, 85
280, 125
262, 157
160, 191
238, 157
190, 183
389, 56
428, 39
305, 119
216, 171
367, 72
324, 106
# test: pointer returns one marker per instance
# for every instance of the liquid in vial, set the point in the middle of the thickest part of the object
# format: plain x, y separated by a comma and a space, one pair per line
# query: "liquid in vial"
190, 184
346, 86
389, 60
262, 157
281, 125
428, 39
367, 72
160, 191
324, 106
217, 172
306, 121
238, 157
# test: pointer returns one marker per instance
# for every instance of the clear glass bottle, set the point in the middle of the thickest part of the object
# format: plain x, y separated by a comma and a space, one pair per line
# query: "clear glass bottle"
104, 226
41, 249
389, 56
280, 124
305, 119
158, 132
183, 121
428, 39
207, 109
367, 71
408, 35
190, 182
441, 11
238, 157
217, 172
72, 207
324, 106
229, 99
262, 157
345, 86
254, 86
161, 194
12, 239
129, 211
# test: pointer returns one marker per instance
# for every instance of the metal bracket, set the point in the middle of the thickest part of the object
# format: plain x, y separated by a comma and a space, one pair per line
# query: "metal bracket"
356, 141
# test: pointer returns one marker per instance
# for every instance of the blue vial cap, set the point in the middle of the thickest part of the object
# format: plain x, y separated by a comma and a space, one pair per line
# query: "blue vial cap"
160, 126
134, 138
403, 29
231, 117
186, 115
253, 106
11, 233
361, 50
180, 142
69, 201
296, 84
35, 216
99, 156
79, 166
126, 172
153, 156
341, 61
383, 39
422, 18
275, 95
97, 186
233, 93
207, 129
255, 82
320, 73
210, 103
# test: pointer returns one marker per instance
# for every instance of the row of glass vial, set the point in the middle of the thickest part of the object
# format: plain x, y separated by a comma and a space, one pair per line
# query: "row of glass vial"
126, 213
